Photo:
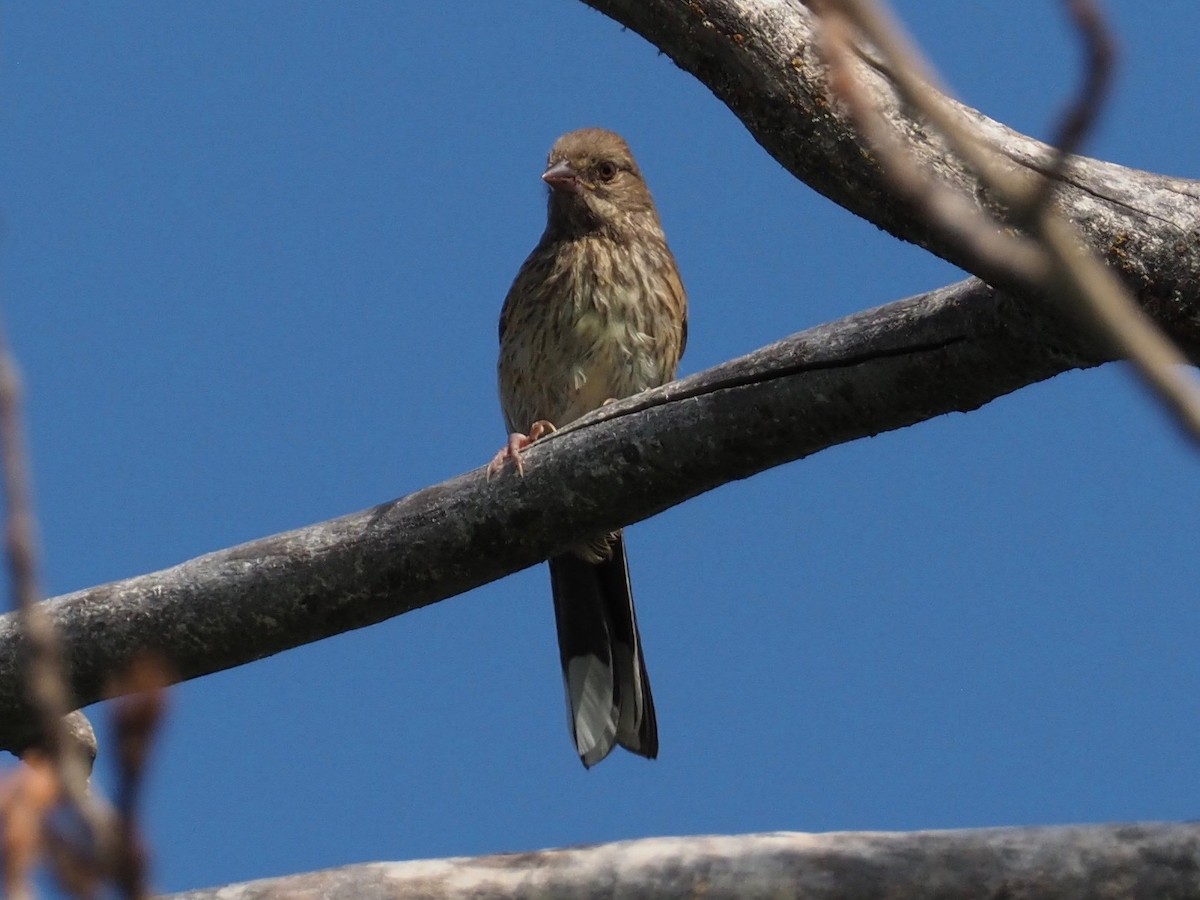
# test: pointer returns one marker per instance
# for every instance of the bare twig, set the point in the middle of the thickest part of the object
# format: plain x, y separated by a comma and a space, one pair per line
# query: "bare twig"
1093, 288
47, 688
137, 717
1081, 114
957, 217
913, 76
1058, 266
27, 793
60, 747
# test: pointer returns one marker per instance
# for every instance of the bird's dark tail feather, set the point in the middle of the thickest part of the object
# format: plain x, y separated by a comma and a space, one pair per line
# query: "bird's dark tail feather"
608, 691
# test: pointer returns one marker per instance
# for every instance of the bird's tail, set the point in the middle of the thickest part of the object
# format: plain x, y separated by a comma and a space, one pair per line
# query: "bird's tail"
608, 691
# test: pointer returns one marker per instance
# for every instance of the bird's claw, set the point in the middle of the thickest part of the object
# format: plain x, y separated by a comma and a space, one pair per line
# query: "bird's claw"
516, 443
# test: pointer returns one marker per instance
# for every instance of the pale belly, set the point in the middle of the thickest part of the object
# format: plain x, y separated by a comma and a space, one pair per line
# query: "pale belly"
597, 356
603, 322
618, 360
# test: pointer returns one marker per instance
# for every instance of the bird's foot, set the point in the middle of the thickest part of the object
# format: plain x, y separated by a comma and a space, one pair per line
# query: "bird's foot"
516, 443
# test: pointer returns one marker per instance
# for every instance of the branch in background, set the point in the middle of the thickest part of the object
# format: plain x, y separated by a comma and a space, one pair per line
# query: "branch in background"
42, 660
27, 795
955, 214
1049, 259
1129, 861
761, 58
137, 717
47, 809
61, 752
951, 350
1082, 113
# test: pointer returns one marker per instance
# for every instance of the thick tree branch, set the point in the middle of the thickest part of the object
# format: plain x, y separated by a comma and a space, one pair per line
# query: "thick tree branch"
951, 350
761, 58
1135, 862
1056, 267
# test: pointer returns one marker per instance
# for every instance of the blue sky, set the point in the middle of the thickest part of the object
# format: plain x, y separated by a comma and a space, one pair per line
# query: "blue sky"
252, 260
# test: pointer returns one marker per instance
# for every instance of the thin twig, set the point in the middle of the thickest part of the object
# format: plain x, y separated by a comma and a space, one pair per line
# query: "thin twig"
46, 684
1082, 112
1092, 287
137, 717
914, 78
47, 688
1076, 278
956, 216
27, 794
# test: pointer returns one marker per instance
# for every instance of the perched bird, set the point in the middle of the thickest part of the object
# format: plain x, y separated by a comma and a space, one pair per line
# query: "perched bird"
597, 312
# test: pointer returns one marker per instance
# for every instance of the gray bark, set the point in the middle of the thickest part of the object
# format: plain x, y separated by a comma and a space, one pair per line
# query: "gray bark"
761, 59
946, 351
951, 350
1134, 862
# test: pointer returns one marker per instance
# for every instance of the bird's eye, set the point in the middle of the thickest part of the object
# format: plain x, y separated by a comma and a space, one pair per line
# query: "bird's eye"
607, 171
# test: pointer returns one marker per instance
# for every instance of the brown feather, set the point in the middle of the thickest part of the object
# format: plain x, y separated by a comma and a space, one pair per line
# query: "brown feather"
597, 312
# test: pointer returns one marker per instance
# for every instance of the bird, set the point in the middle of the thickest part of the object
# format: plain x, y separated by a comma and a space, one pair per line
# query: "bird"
596, 313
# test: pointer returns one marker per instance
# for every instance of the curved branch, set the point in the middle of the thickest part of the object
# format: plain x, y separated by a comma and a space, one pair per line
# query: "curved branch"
1133, 861
950, 350
761, 58
1036, 246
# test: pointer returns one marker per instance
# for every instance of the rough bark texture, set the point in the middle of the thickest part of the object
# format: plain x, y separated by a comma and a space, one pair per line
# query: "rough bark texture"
953, 349
760, 58
950, 350
1133, 862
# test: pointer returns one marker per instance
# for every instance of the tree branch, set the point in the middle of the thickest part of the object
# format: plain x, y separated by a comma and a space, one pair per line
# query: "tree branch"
1128, 861
761, 58
954, 349
951, 350
1056, 267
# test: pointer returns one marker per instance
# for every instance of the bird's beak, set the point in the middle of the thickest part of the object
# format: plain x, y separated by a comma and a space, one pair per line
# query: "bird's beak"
561, 177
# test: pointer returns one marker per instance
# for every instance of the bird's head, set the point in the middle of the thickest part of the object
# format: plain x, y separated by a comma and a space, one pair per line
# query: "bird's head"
595, 185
